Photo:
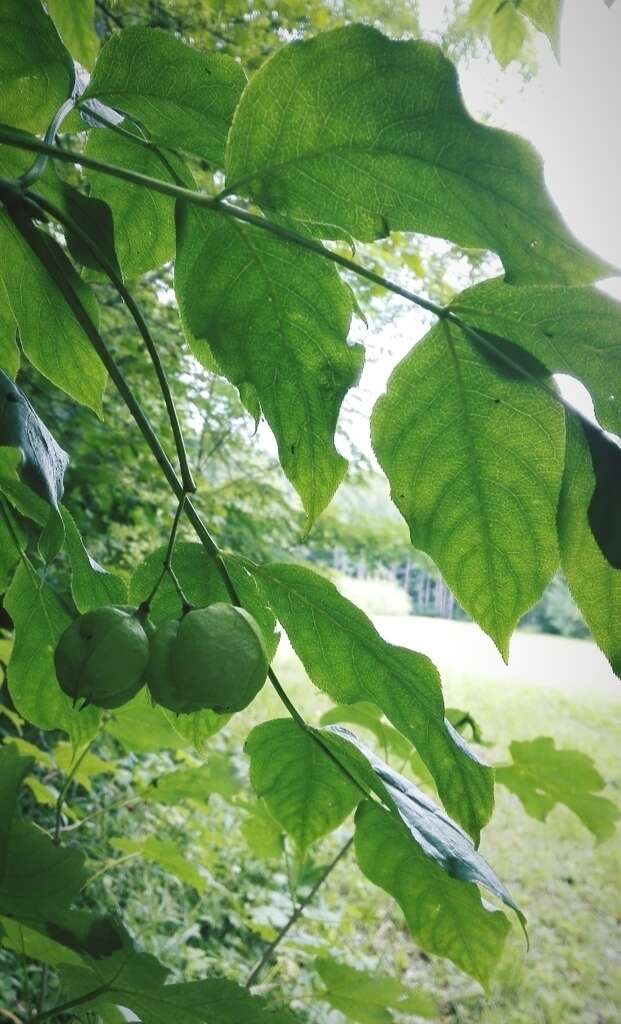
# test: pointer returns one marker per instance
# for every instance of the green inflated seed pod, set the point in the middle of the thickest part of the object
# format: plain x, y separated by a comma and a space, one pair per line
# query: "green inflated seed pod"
102, 656
211, 658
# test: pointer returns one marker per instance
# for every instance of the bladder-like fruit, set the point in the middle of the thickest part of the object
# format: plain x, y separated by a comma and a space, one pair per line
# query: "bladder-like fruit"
212, 657
102, 656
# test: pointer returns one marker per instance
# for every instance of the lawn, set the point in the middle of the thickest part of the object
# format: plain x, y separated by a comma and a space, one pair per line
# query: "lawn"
567, 886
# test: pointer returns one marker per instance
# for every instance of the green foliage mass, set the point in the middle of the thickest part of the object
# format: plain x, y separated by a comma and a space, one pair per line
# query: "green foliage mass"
178, 173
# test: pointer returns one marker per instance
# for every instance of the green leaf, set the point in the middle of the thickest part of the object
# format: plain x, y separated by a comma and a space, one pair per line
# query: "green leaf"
218, 775
370, 998
9, 552
542, 777
13, 768
431, 830
445, 916
144, 220
75, 22
276, 318
568, 330
374, 137
36, 72
91, 586
508, 33
89, 765
303, 789
145, 728
50, 335
43, 461
345, 656
39, 620
135, 980
545, 15
40, 879
475, 460
604, 512
184, 97
203, 585
595, 586
166, 855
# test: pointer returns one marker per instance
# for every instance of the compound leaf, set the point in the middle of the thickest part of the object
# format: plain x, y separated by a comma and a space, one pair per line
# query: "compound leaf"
353, 133
474, 458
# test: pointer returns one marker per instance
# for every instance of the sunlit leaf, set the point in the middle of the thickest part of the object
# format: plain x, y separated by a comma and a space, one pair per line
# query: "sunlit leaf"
369, 997
303, 789
183, 96
276, 319
542, 777
345, 656
374, 137
474, 458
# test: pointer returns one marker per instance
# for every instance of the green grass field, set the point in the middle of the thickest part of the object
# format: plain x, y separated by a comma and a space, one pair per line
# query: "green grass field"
568, 887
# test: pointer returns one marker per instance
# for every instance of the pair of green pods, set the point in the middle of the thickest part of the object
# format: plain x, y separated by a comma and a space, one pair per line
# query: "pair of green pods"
211, 657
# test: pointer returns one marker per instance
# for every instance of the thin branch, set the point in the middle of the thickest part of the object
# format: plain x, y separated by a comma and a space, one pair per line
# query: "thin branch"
299, 910
109, 270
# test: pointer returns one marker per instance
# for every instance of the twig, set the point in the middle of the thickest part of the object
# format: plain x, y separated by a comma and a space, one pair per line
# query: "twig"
254, 974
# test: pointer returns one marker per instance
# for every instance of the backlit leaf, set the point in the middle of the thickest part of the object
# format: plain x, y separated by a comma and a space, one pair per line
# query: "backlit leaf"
275, 318
345, 656
91, 585
369, 997
184, 97
354, 133
74, 20
475, 460
445, 916
542, 776
36, 72
303, 789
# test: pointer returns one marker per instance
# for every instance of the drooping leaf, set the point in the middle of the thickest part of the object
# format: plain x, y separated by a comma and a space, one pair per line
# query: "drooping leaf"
184, 97
36, 72
275, 318
262, 834
594, 584
91, 585
475, 460
39, 620
84, 767
542, 777
303, 789
428, 826
144, 727
43, 461
136, 981
49, 334
370, 997
75, 22
345, 656
545, 15
144, 220
374, 137
167, 855
445, 916
202, 585
568, 330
